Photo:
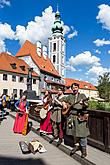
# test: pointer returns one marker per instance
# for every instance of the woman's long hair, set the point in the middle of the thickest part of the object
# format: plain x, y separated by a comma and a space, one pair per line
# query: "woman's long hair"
49, 98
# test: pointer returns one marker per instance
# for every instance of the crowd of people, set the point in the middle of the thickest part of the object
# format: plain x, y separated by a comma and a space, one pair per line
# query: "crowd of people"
60, 115
6, 102
66, 115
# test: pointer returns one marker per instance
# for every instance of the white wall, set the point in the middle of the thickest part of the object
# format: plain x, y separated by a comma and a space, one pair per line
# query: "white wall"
31, 63
89, 93
10, 85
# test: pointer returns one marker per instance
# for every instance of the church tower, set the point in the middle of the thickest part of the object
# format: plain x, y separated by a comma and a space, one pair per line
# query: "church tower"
57, 45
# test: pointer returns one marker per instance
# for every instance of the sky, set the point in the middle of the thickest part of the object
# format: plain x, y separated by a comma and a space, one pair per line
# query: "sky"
86, 29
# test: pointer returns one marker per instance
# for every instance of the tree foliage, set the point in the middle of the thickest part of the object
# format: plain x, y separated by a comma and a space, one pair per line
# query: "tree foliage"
104, 86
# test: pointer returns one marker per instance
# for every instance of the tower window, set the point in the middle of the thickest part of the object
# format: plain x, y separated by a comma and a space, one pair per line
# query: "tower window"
54, 58
54, 47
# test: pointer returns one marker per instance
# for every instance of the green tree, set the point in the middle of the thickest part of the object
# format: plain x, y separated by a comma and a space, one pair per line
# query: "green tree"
104, 86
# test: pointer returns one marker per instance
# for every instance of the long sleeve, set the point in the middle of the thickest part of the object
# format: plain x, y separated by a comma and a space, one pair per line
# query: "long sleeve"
27, 105
17, 104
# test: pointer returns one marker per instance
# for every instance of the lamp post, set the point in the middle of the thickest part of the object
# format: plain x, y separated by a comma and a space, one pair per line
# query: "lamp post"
29, 79
29, 92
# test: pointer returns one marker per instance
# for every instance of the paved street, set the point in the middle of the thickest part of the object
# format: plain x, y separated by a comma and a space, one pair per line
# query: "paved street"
10, 153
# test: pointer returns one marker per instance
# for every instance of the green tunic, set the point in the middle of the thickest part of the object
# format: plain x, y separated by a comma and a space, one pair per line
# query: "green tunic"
56, 112
74, 126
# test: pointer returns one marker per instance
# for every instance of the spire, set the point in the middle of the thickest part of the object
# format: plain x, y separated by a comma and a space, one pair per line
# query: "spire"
57, 27
57, 7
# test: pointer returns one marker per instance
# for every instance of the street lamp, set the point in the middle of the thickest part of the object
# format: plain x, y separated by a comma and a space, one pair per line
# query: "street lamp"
29, 92
29, 79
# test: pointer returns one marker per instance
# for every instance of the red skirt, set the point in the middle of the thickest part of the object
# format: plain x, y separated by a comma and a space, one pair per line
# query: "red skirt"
20, 123
45, 124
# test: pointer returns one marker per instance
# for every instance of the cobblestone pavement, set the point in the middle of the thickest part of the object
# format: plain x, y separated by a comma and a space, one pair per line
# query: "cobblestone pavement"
10, 153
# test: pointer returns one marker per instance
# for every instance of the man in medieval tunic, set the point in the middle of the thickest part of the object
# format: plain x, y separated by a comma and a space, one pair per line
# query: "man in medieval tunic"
56, 117
77, 120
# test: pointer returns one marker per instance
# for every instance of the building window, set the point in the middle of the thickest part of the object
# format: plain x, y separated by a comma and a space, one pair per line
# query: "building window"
21, 92
54, 47
54, 58
34, 81
15, 92
13, 65
5, 91
21, 79
22, 67
14, 78
5, 77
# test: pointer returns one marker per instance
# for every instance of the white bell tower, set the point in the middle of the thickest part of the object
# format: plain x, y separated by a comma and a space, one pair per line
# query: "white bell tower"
57, 44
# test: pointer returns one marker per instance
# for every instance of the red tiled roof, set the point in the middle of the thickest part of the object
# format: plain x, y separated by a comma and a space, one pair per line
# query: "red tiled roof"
82, 84
45, 65
6, 60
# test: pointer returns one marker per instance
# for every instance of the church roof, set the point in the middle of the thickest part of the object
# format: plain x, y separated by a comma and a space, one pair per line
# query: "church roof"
12, 64
29, 49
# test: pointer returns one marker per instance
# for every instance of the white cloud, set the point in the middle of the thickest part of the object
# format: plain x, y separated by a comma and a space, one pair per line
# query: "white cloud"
4, 3
97, 70
104, 16
70, 68
102, 42
85, 58
6, 32
2, 46
75, 33
97, 51
39, 28
108, 51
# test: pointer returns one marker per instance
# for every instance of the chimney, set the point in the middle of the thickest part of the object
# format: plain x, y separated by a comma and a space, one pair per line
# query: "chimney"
44, 52
38, 48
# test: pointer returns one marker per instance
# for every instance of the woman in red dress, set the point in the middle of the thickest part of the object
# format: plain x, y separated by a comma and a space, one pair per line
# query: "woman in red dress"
21, 116
45, 124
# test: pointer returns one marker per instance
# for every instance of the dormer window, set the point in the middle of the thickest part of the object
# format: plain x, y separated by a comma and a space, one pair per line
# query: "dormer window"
85, 86
43, 66
13, 65
22, 67
45, 77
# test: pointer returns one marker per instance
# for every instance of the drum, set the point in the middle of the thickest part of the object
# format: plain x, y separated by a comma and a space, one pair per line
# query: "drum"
43, 113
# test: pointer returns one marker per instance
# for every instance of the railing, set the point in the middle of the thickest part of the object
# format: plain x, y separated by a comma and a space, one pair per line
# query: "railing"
99, 124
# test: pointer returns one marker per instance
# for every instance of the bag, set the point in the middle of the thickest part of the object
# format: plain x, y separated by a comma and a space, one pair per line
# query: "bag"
24, 131
24, 147
35, 146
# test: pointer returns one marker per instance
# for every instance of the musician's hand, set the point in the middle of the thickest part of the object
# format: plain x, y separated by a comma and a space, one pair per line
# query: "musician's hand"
81, 102
64, 105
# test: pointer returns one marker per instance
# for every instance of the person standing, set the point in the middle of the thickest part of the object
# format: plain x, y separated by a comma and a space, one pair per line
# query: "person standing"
12, 102
21, 116
45, 124
56, 117
77, 125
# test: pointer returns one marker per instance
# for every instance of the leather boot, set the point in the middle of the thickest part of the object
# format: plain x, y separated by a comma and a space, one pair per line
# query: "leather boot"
51, 140
59, 142
84, 152
76, 148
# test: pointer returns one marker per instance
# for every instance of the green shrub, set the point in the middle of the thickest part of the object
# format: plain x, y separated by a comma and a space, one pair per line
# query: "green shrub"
96, 105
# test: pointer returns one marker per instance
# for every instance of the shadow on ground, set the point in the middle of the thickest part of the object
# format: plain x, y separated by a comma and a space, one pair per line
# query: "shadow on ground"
18, 161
